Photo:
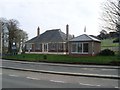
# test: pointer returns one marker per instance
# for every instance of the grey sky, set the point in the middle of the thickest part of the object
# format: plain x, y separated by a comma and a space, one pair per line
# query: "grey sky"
53, 14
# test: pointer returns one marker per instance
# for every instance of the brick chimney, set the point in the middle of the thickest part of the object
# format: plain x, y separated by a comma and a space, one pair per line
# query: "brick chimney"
67, 32
38, 31
67, 38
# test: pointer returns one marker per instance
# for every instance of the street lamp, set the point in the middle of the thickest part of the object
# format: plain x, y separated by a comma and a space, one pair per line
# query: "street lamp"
0, 39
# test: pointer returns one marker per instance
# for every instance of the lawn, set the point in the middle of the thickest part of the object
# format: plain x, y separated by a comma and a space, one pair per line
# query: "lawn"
108, 43
66, 59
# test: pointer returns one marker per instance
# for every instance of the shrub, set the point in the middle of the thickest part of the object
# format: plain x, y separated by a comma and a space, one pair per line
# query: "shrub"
107, 52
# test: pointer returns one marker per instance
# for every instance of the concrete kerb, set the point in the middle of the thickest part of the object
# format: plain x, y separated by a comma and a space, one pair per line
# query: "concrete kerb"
65, 73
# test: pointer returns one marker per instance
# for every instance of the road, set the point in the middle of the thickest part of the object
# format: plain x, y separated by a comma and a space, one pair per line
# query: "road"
23, 79
27, 79
67, 68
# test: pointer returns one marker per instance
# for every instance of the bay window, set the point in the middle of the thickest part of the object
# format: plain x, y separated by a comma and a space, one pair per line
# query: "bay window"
79, 47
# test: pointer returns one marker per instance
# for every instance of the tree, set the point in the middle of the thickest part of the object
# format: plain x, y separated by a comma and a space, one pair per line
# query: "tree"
12, 27
111, 17
4, 35
17, 37
103, 34
11, 36
21, 38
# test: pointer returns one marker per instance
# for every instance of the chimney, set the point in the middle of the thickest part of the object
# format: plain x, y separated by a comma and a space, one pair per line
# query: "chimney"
67, 32
67, 38
38, 31
73, 36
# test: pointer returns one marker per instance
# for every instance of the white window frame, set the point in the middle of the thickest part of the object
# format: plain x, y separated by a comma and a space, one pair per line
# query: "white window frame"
76, 51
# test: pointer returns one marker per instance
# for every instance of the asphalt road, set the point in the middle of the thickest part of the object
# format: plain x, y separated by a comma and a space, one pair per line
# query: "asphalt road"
87, 69
23, 79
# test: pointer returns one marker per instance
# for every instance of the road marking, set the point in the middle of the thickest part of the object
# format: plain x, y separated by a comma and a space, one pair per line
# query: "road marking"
89, 84
0, 73
57, 81
88, 68
32, 78
116, 87
107, 69
13, 75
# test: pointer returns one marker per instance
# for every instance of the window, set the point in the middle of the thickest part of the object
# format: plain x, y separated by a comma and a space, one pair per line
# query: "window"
74, 47
60, 46
45, 47
79, 47
85, 47
37, 46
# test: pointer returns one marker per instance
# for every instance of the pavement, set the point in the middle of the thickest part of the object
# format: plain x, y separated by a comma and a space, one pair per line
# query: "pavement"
66, 65
98, 71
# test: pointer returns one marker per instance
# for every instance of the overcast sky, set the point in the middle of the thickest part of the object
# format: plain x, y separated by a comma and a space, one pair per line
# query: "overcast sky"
53, 14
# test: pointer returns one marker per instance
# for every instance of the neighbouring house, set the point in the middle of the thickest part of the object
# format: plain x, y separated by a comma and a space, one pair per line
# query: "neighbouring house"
84, 45
52, 41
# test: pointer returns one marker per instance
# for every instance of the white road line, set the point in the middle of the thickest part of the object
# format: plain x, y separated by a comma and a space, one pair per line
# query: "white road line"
57, 81
13, 75
116, 87
0, 73
32, 78
88, 68
107, 69
88, 84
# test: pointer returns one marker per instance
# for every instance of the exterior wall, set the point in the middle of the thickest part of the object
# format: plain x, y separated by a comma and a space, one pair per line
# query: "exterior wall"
94, 48
90, 48
97, 47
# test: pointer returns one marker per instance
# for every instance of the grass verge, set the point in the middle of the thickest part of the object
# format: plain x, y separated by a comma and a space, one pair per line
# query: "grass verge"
105, 60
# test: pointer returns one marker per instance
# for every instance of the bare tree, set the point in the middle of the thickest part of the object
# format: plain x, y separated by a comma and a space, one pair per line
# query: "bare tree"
111, 17
21, 38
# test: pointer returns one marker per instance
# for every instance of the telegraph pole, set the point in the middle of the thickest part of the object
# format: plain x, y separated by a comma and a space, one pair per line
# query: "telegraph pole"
119, 28
118, 40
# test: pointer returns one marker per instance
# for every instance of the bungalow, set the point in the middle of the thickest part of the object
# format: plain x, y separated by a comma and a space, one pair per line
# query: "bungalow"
51, 41
56, 42
84, 45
